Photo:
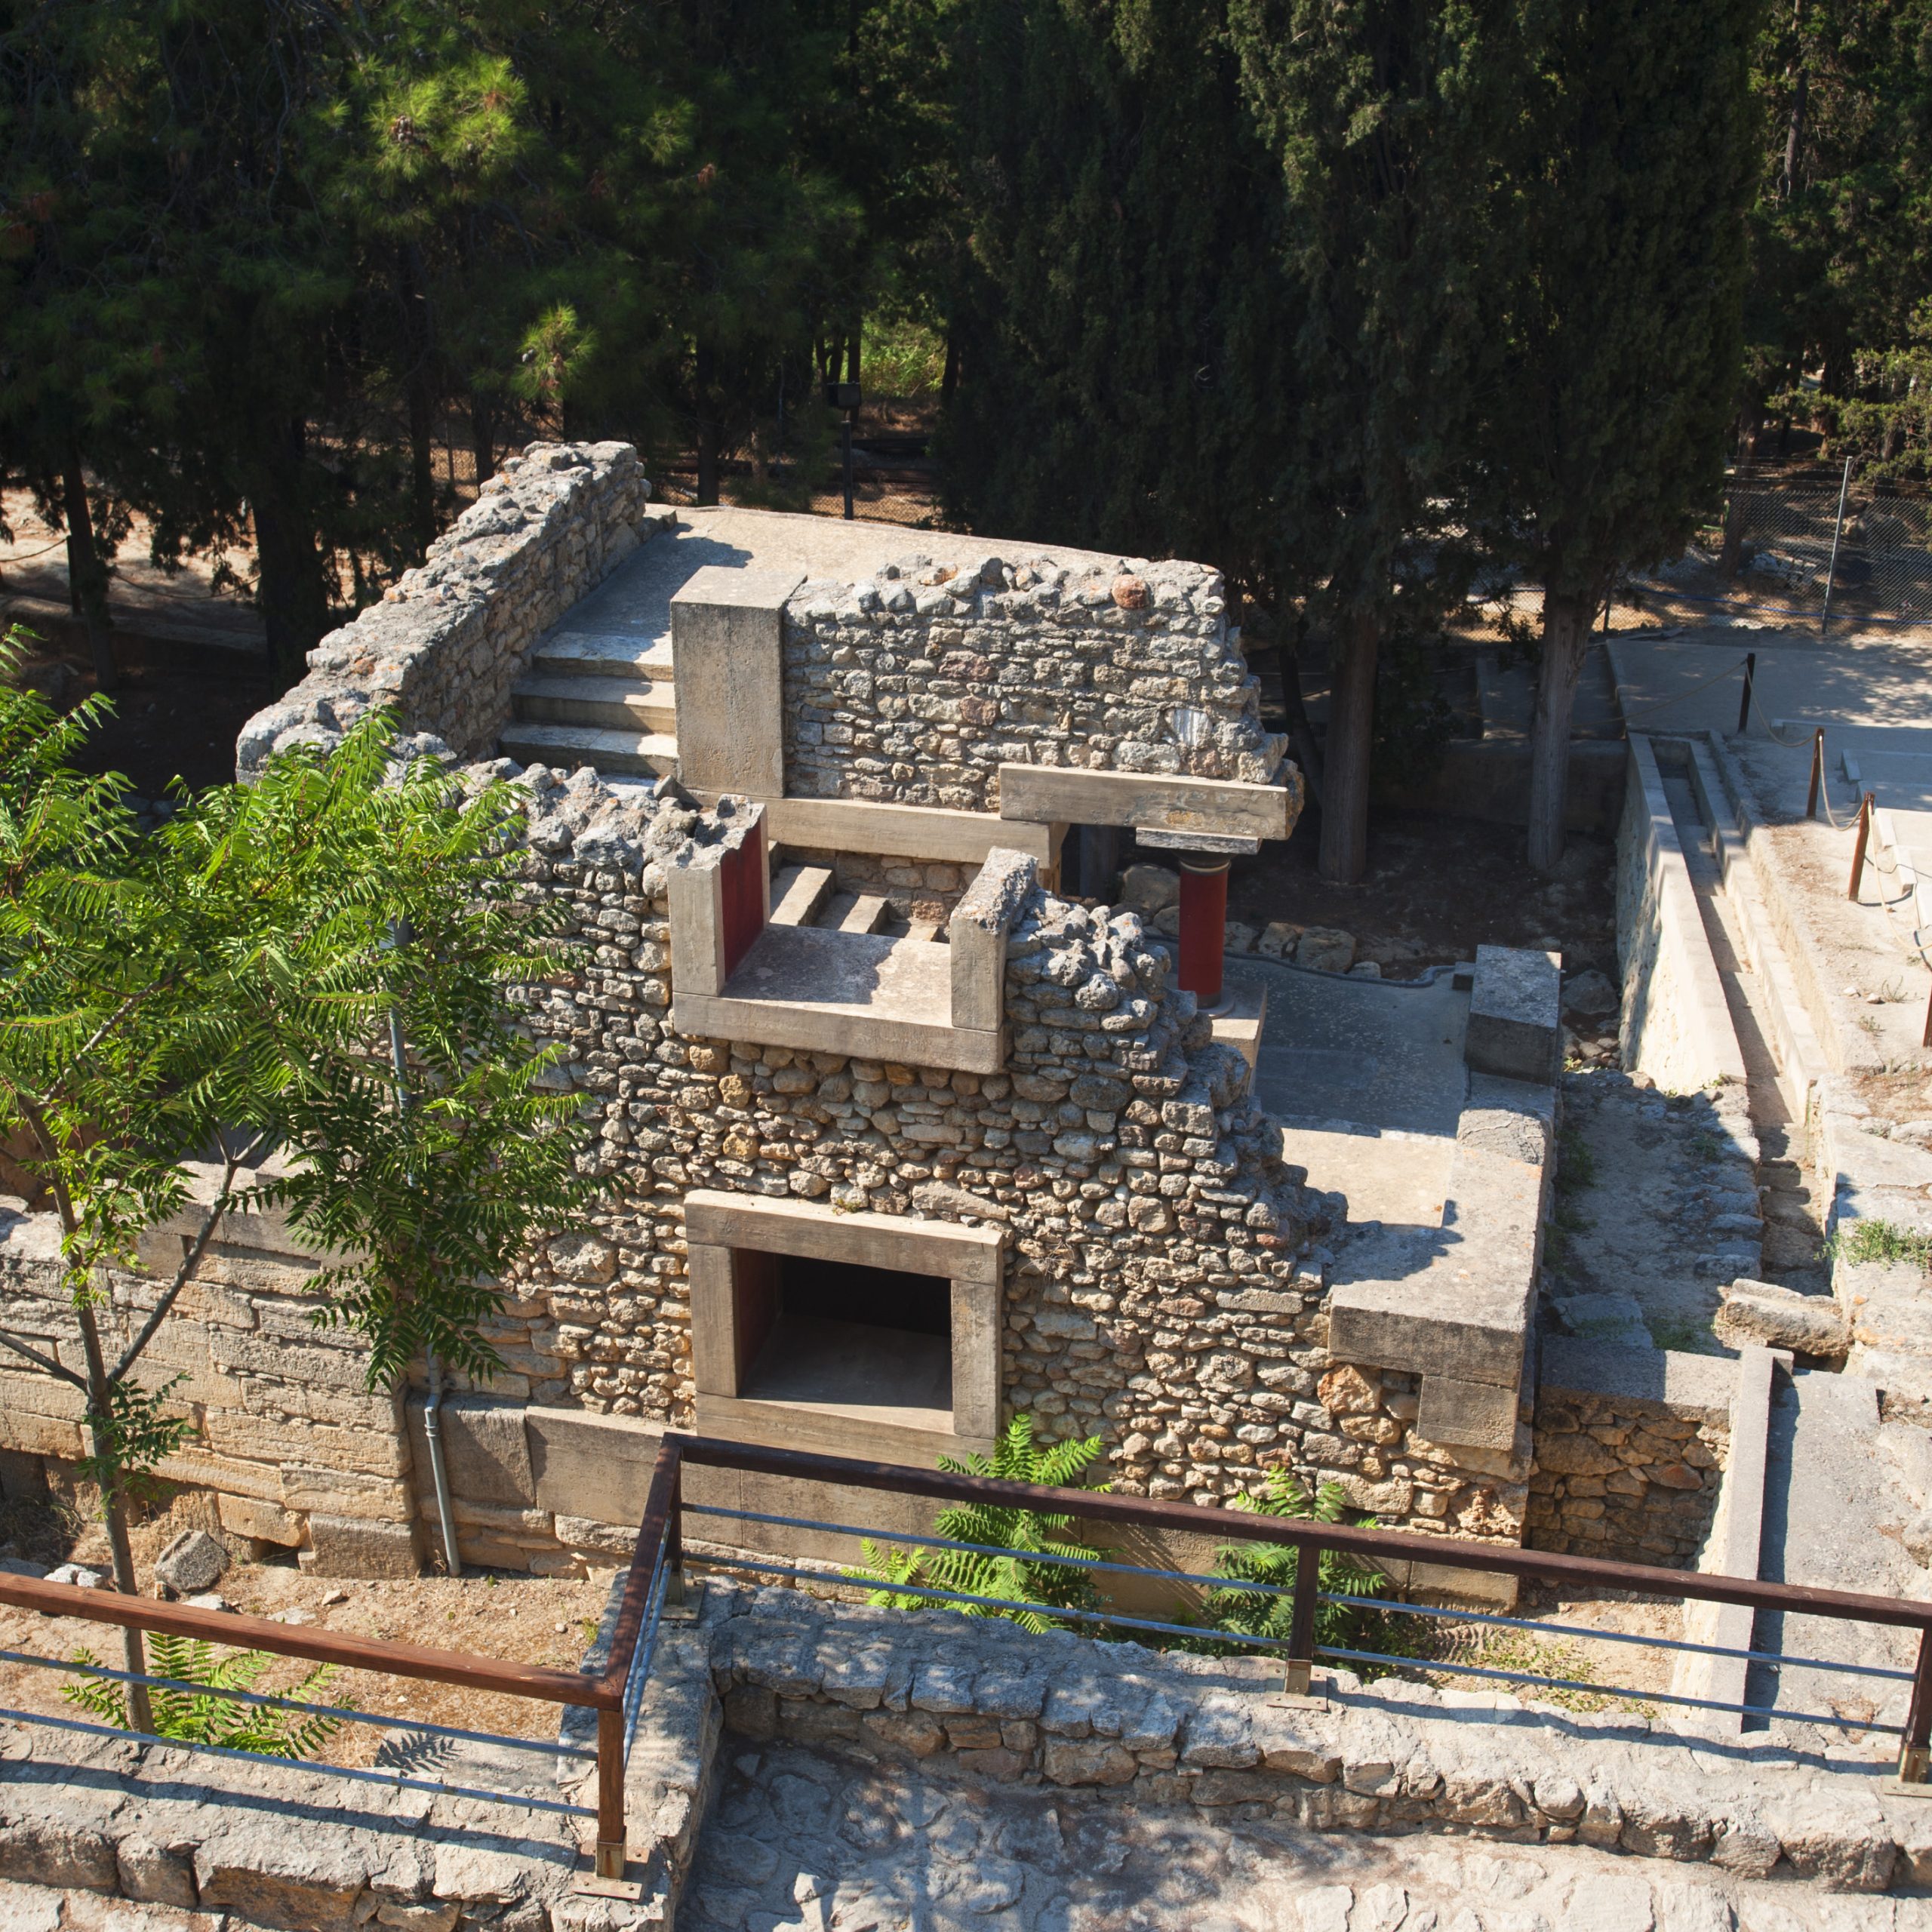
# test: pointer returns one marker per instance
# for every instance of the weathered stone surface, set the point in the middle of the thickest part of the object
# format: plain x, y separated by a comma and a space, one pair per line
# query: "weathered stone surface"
1778, 1317
192, 1562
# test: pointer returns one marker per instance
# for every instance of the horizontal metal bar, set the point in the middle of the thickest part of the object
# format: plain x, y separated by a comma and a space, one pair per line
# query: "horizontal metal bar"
347, 1713
395, 1780
1381, 1547
1207, 1631
1616, 1636
987, 1549
258, 1633
1602, 1690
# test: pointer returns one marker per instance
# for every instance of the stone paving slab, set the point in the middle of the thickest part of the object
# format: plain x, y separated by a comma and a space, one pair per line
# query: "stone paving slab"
835, 1839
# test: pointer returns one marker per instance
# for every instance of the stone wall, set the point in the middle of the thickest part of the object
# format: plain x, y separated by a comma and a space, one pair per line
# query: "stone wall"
448, 641
916, 686
286, 1436
1630, 1452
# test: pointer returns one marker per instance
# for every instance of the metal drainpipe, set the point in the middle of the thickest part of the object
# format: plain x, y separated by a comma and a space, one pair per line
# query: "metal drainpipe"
432, 1412
432, 1434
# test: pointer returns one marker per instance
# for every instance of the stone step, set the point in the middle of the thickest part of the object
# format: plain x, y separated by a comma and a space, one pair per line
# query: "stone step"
619, 703
865, 913
798, 894
602, 654
644, 754
922, 929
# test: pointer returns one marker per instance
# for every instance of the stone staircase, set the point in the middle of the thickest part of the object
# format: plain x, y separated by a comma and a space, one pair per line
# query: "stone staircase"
600, 699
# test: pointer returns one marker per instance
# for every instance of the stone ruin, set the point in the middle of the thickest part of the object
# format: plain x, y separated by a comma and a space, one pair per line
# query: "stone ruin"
900, 1139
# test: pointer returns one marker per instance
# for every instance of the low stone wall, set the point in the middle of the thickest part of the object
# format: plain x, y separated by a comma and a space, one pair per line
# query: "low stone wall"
1630, 1453
1676, 1027
1166, 1729
917, 685
448, 640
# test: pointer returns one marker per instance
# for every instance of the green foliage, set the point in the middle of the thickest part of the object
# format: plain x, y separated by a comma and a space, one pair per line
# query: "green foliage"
1254, 1613
1029, 1534
1884, 1241
199, 1717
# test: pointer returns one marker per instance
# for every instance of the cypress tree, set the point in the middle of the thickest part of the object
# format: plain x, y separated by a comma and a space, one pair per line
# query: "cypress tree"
1622, 256
1385, 118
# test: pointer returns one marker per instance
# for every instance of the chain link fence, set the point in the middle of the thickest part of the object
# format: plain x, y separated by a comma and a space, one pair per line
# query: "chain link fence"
1828, 556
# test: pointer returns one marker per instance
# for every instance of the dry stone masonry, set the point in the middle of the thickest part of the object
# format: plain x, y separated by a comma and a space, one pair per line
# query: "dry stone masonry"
916, 686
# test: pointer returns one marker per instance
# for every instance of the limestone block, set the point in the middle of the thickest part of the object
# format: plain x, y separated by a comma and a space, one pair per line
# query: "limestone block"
583, 1464
1516, 1026
1479, 1413
878, 1240
348, 1547
484, 1449
1325, 949
729, 681
1777, 1318
1044, 795
978, 936
193, 1561
265, 1522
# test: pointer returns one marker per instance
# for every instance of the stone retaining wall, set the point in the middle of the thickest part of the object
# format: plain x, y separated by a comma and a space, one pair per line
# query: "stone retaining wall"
1632, 1446
917, 685
1634, 1487
1169, 1729
448, 641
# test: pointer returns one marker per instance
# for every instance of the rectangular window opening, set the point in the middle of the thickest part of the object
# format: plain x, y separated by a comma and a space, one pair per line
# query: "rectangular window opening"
840, 1335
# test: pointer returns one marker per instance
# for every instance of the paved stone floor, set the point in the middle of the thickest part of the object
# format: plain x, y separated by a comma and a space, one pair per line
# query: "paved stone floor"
819, 1840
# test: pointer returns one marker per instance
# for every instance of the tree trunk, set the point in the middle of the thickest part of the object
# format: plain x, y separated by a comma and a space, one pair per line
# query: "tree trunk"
1566, 638
1344, 855
483, 436
291, 592
949, 381
86, 575
418, 393
1794, 136
704, 375
1301, 732
113, 1509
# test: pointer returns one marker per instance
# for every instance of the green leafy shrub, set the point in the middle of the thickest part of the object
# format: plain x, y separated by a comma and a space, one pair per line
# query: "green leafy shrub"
1029, 1534
1883, 1241
1253, 1613
200, 1717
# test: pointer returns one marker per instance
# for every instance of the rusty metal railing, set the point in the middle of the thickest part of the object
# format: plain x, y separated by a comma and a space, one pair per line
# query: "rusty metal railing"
661, 1547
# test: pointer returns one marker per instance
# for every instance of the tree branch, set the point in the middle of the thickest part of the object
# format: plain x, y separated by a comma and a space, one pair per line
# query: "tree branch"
190, 1262
46, 1362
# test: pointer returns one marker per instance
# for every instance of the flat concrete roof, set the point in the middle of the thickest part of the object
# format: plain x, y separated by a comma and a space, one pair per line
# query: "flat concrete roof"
634, 602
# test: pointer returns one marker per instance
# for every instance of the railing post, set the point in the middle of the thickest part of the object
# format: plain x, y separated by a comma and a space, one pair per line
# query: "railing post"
674, 1543
1817, 772
610, 1794
1744, 703
1301, 1663
1915, 1748
1858, 846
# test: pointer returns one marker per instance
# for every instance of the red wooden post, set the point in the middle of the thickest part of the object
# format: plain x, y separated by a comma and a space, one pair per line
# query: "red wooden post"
744, 894
1858, 848
1203, 924
609, 1795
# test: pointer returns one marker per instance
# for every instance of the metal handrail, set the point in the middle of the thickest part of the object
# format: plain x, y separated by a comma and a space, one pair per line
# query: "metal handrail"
1310, 1538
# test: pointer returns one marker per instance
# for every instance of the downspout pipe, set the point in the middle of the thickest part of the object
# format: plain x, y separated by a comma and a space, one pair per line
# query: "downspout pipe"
432, 1411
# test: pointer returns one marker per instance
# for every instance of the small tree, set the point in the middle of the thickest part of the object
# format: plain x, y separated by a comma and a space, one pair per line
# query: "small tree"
235, 983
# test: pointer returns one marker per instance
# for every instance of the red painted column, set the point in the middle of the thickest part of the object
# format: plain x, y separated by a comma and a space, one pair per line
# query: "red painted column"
1203, 924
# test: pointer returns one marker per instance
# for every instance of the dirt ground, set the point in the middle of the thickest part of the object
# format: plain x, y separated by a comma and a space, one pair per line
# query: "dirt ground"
1437, 888
528, 1619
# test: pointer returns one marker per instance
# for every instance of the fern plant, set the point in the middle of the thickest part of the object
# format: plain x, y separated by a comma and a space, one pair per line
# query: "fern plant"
1029, 1534
200, 1716
1255, 1613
